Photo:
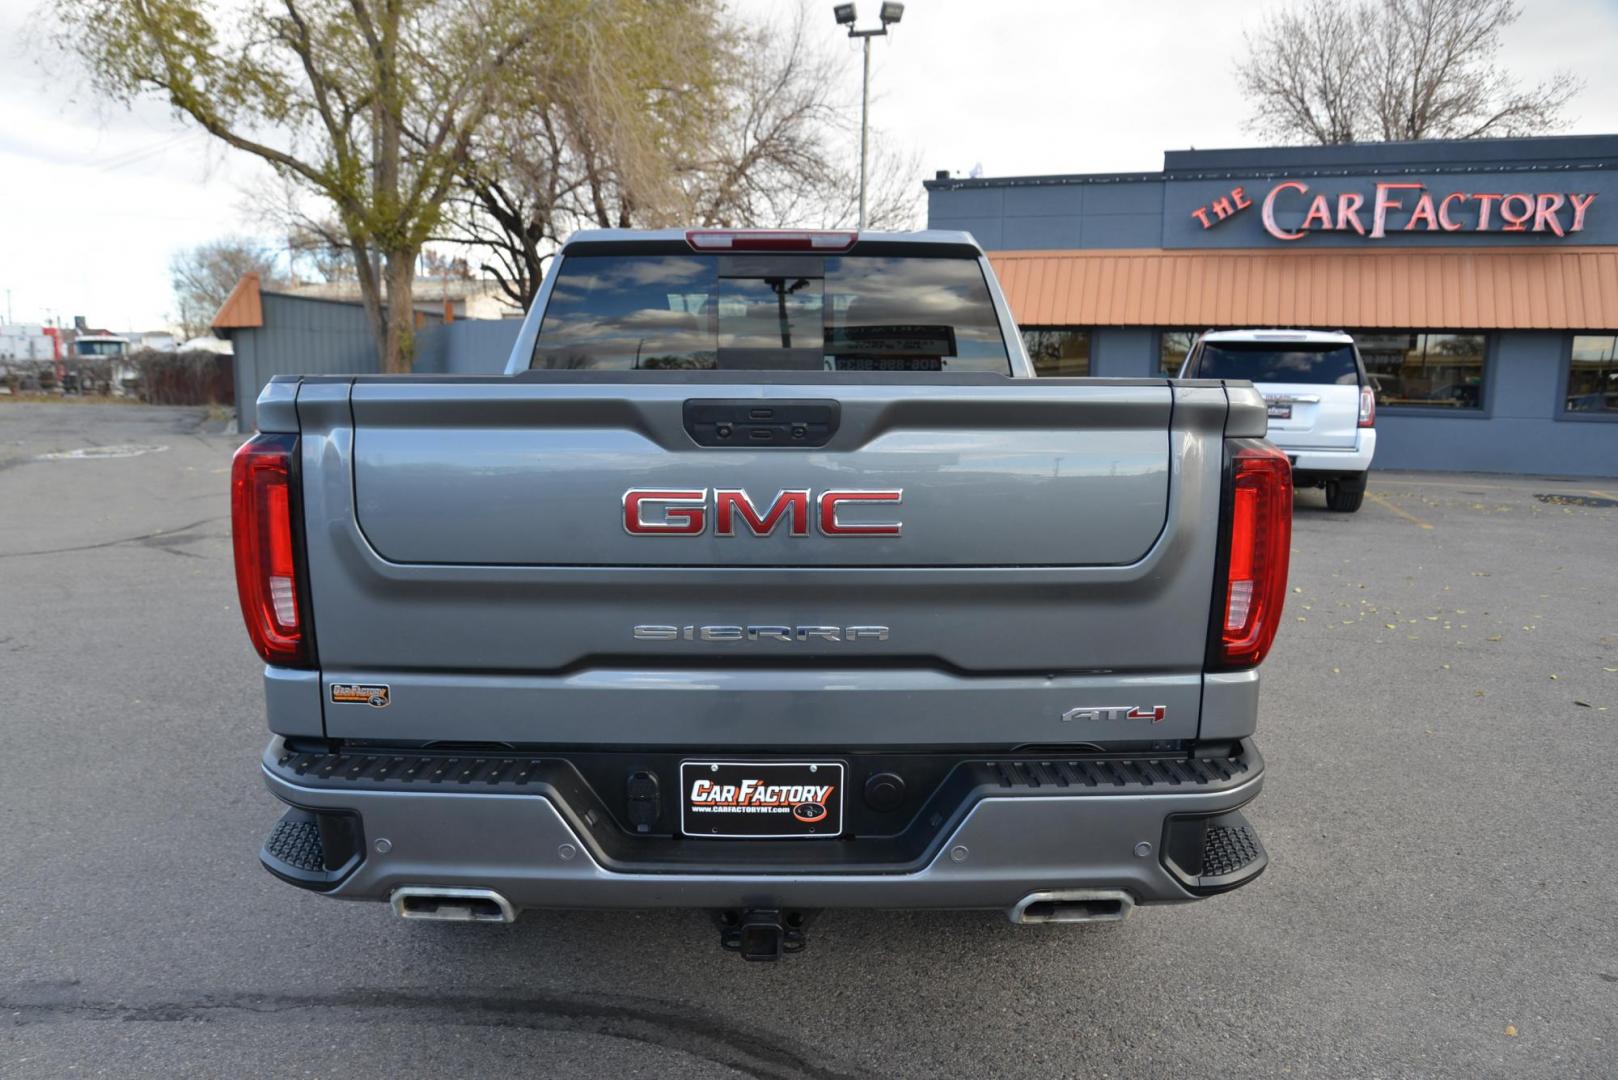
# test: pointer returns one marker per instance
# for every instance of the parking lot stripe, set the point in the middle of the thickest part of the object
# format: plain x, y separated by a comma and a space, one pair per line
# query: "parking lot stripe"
1386, 505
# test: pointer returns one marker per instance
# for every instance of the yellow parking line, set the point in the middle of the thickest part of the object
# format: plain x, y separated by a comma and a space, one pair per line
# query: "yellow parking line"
1386, 505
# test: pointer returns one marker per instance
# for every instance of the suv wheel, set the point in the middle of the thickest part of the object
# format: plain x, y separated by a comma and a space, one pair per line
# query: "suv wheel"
1345, 493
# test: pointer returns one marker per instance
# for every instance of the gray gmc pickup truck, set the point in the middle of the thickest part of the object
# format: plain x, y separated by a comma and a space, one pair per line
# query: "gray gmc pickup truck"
767, 579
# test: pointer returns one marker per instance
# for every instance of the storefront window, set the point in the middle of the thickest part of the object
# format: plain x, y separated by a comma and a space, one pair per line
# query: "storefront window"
1592, 379
1058, 351
1173, 345
1432, 370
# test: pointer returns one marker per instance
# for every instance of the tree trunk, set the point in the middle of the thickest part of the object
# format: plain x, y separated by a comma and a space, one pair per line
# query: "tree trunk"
398, 341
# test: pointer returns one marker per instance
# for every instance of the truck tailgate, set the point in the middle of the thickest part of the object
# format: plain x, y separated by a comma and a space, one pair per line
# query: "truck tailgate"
1038, 547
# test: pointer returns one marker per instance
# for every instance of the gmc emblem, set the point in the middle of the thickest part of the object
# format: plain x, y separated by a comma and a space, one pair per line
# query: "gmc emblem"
688, 511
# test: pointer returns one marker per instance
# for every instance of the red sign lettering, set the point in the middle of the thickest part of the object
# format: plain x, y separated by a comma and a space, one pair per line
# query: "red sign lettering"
1393, 210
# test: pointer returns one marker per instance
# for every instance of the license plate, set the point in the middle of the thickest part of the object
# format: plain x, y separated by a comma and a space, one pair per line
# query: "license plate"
756, 799
1280, 412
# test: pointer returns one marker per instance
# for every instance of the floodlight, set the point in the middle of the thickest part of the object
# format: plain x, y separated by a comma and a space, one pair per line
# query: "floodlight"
844, 14
892, 13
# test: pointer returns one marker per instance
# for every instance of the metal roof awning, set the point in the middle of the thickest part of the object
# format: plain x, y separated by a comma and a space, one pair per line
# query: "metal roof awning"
1401, 288
243, 309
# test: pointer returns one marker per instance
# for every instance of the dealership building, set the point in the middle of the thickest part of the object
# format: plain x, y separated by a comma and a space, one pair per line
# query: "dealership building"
1479, 278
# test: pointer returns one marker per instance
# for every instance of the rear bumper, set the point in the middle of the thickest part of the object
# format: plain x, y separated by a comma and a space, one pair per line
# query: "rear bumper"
1004, 839
1355, 459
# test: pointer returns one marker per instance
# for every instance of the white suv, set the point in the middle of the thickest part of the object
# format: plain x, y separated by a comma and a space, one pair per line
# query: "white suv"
1322, 408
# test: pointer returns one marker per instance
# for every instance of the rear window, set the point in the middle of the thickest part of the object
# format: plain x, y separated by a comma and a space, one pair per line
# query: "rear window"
1269, 362
770, 312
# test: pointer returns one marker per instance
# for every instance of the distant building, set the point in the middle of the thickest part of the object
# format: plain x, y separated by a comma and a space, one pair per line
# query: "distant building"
448, 298
29, 341
1479, 277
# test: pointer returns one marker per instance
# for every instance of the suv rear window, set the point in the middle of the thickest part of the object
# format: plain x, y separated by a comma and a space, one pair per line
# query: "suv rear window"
770, 312
1270, 362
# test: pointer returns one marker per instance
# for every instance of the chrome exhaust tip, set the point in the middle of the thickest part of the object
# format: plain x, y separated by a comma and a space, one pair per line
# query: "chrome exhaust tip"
1072, 906
445, 904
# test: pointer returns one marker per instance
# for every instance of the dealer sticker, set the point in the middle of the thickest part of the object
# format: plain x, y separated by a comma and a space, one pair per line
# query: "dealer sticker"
372, 694
757, 799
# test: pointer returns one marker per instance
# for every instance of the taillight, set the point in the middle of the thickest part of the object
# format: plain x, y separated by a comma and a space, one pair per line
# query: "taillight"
1367, 407
1260, 543
261, 518
770, 240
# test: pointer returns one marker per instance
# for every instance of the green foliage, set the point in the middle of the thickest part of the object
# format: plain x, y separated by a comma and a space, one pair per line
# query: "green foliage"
372, 104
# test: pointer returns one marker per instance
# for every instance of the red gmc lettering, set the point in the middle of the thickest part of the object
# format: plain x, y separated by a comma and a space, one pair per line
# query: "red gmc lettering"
685, 513
831, 500
729, 502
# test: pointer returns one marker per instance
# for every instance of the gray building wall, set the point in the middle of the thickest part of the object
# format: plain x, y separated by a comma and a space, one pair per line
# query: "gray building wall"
306, 336
467, 346
1154, 210
1520, 429
300, 336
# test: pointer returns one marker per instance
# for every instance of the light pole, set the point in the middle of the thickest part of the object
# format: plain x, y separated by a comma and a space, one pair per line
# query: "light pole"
844, 13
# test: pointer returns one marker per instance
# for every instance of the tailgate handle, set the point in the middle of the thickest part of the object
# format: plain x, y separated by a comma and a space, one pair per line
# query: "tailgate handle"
749, 423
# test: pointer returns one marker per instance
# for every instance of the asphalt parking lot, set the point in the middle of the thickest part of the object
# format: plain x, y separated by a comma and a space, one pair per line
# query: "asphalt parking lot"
1440, 720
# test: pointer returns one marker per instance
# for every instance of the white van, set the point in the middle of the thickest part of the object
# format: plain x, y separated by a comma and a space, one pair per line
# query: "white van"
1321, 405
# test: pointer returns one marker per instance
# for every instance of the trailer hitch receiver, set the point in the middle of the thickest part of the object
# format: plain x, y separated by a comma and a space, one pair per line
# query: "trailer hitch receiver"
762, 933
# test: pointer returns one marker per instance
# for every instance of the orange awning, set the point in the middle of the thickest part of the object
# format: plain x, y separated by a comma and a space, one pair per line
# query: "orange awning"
1403, 288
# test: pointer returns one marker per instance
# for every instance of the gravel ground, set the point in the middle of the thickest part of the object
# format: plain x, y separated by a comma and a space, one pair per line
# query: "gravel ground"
1440, 719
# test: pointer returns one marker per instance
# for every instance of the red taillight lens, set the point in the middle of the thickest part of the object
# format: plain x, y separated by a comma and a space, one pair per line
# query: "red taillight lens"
266, 554
770, 240
1367, 407
1260, 544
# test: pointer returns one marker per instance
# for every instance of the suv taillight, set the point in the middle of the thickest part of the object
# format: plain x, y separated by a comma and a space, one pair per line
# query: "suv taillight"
1259, 543
261, 519
1367, 407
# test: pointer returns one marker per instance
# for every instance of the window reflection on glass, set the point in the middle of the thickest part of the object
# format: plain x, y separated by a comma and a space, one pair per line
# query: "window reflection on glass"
1173, 346
1592, 378
771, 312
1433, 370
1057, 352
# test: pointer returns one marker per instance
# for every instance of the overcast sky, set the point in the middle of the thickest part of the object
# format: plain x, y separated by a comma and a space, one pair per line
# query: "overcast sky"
95, 200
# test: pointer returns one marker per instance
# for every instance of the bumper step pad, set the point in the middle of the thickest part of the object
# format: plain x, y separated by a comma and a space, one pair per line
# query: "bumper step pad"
312, 850
1213, 854
1228, 849
295, 842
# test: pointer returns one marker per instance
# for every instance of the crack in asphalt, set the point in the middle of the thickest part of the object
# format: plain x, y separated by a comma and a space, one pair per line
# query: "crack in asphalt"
637, 1020
143, 538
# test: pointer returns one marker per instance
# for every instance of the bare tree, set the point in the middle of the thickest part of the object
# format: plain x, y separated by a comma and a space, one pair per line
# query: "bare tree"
203, 277
755, 132
371, 104
1341, 71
